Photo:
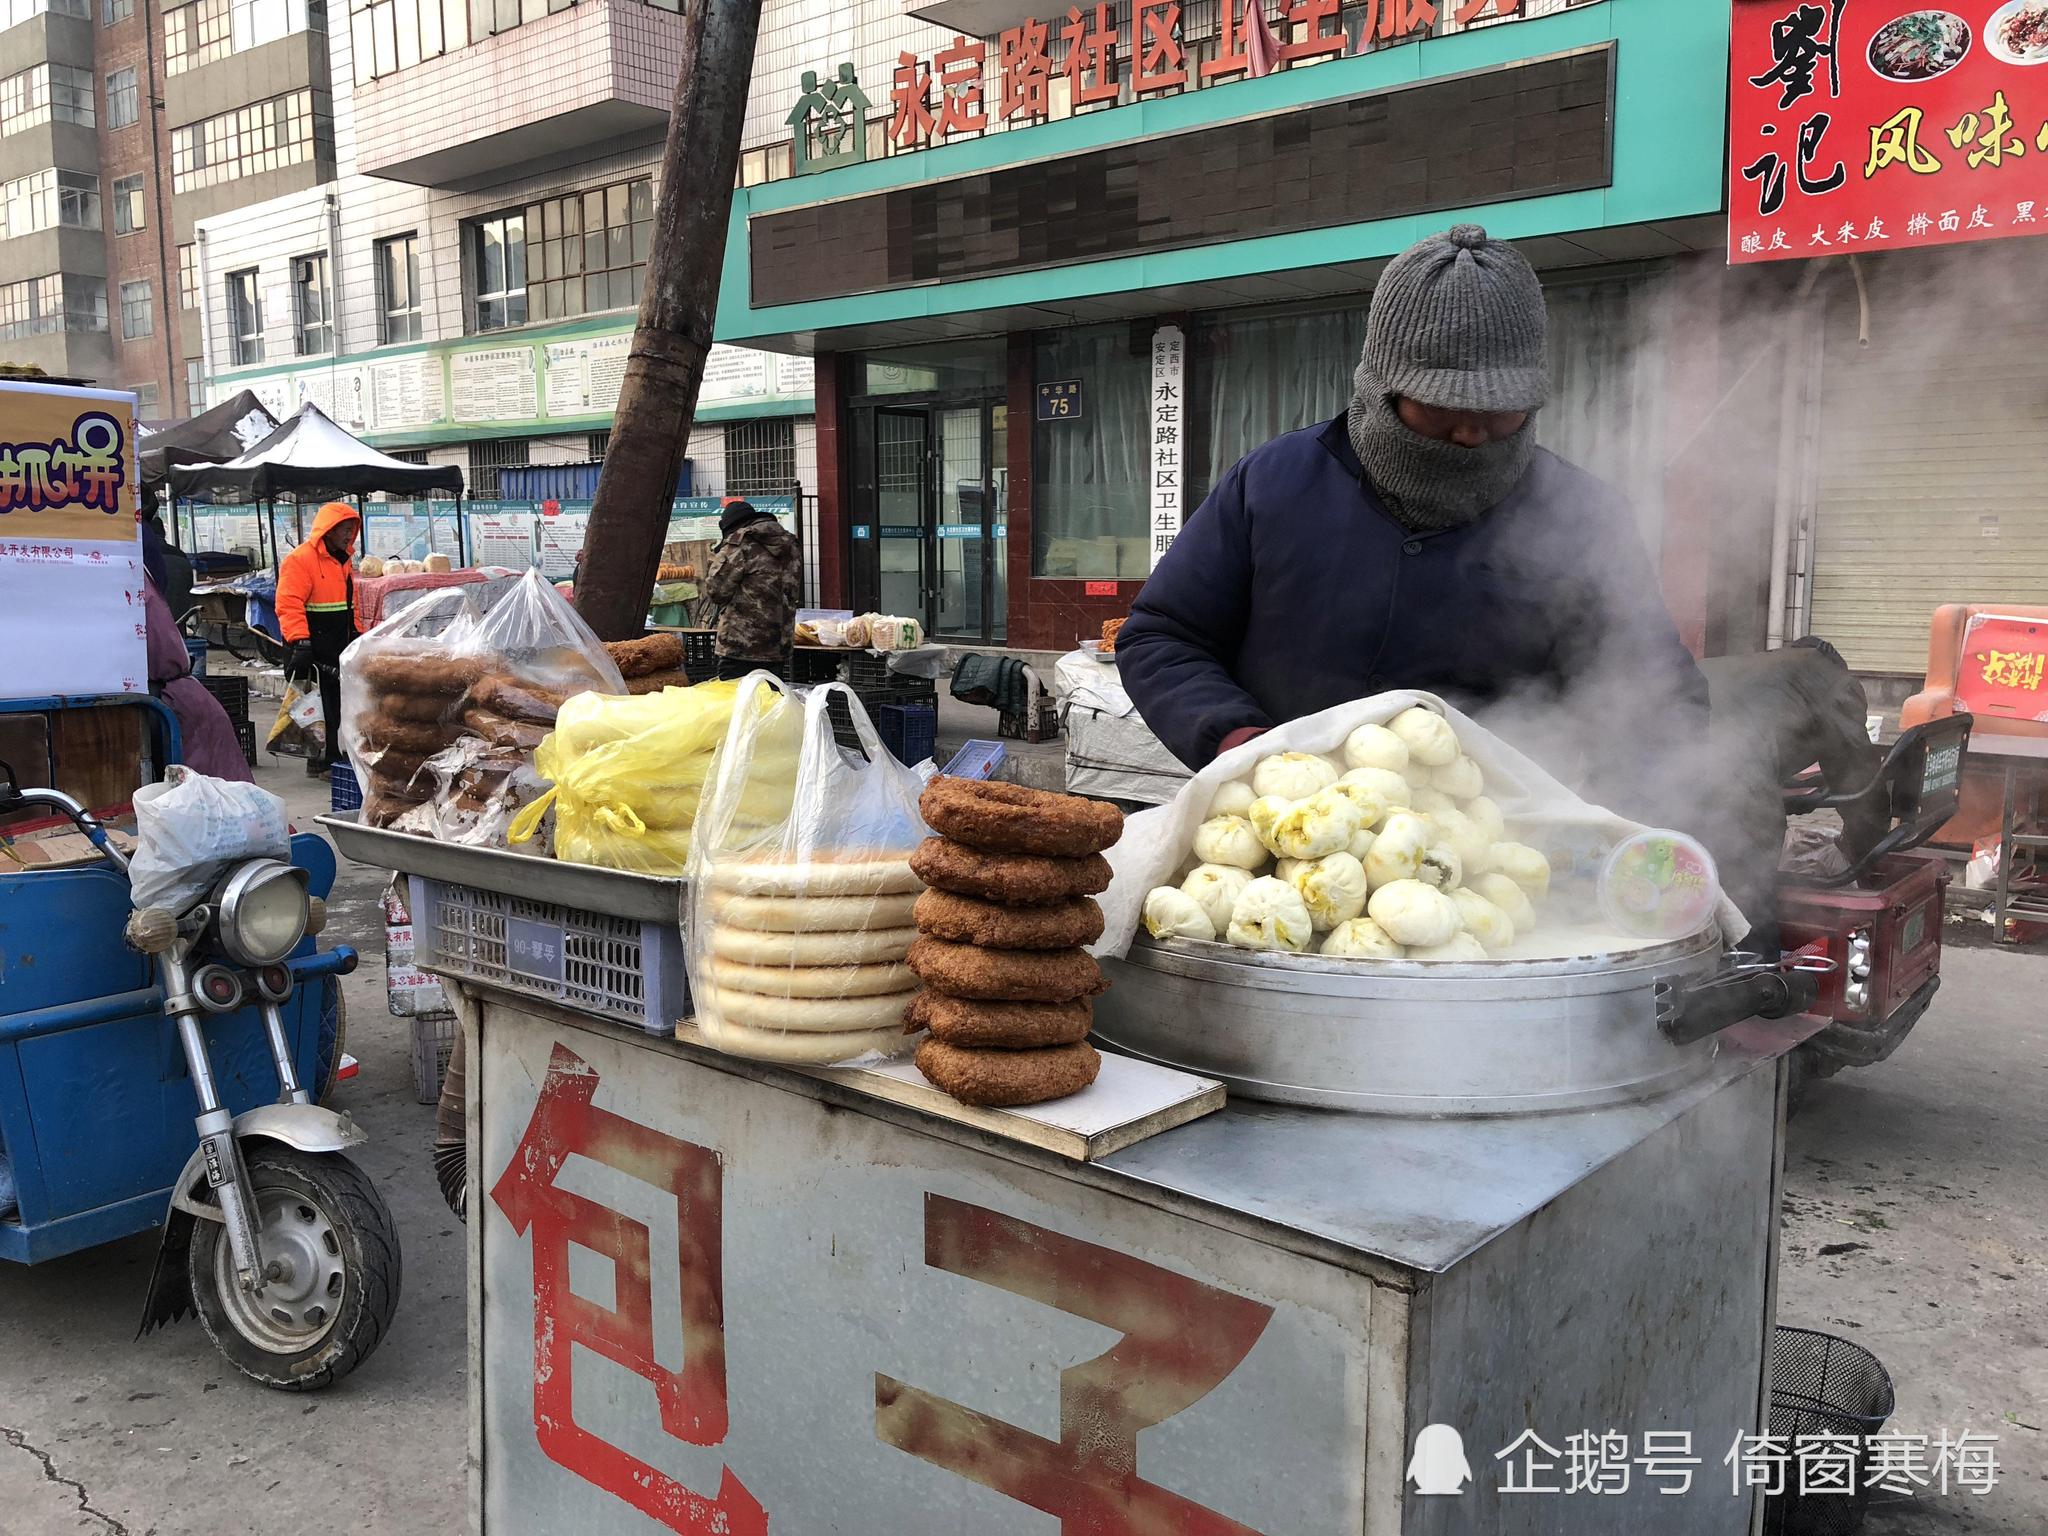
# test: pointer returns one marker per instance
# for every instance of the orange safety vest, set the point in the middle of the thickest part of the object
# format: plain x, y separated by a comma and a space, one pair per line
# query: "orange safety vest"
310, 580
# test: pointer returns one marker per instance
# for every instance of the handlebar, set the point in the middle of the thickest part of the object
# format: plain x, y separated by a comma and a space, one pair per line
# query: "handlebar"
1920, 781
13, 798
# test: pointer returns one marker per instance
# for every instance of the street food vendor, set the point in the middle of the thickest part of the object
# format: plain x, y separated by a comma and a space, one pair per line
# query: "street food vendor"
1423, 540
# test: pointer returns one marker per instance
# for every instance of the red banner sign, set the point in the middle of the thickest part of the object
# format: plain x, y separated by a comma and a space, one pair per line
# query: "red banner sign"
2004, 670
1855, 125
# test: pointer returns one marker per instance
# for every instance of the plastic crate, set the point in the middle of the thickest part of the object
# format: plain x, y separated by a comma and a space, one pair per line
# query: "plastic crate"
619, 968
909, 731
245, 733
433, 1039
230, 692
810, 667
700, 655
867, 669
345, 792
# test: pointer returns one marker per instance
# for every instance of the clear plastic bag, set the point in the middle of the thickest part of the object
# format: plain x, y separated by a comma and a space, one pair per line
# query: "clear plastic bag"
628, 776
190, 827
438, 672
801, 887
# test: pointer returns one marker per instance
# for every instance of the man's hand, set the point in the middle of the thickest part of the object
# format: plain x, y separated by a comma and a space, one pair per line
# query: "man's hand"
1239, 737
299, 663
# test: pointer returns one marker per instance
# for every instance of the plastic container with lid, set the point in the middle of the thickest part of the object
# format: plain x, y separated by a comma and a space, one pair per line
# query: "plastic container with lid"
1659, 884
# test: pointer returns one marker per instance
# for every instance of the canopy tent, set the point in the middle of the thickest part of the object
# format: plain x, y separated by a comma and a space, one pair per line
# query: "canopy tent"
212, 437
309, 457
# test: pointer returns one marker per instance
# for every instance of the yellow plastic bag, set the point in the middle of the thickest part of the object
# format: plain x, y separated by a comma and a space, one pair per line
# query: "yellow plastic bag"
628, 773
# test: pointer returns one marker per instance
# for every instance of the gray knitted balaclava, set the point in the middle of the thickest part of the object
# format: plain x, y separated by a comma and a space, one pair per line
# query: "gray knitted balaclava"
1457, 322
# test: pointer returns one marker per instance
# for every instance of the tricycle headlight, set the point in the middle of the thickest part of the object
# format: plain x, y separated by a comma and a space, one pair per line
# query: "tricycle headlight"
263, 911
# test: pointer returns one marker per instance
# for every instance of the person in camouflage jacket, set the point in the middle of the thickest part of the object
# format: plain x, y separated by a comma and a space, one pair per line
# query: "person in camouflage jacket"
756, 578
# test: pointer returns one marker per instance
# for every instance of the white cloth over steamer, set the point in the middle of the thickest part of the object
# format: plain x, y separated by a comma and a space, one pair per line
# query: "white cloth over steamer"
1157, 844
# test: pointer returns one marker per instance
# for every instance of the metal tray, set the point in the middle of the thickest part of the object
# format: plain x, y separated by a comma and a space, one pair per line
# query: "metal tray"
650, 898
1503, 1037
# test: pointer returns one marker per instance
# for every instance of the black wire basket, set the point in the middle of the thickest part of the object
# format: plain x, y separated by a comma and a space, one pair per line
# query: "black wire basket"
1823, 1385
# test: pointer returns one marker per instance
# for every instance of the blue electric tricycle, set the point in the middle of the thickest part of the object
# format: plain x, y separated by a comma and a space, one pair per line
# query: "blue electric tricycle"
121, 1030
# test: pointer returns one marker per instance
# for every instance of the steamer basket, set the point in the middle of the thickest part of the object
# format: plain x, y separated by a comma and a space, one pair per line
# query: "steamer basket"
1507, 1037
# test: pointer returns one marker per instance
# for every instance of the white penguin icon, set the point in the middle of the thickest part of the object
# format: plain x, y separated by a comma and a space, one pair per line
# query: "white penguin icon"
1438, 1465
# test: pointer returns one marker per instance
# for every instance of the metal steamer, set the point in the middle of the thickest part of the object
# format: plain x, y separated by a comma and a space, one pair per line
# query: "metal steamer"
1511, 1037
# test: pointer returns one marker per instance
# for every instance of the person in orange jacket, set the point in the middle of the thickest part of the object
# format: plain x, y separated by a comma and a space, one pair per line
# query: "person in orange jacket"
316, 610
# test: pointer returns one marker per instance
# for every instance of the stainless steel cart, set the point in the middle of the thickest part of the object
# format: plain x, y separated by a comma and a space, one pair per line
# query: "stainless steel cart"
709, 1295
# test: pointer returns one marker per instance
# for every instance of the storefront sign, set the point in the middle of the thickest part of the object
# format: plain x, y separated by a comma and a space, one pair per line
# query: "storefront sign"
71, 584
966, 86
1169, 355
1099, 588
1855, 127
1060, 400
2004, 669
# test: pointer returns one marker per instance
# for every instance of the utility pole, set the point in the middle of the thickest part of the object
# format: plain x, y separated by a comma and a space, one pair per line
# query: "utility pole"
658, 396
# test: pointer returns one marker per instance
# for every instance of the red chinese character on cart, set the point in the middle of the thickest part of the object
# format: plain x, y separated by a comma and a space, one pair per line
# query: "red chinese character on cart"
1091, 54
1180, 1338
910, 92
1158, 57
959, 71
1023, 72
692, 1401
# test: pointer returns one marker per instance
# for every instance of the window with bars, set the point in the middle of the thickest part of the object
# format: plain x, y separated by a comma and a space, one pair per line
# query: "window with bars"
760, 457
245, 316
312, 313
571, 255
597, 444
207, 30
195, 386
188, 277
47, 93
398, 288
60, 301
487, 457
47, 199
121, 99
129, 211
138, 311
266, 136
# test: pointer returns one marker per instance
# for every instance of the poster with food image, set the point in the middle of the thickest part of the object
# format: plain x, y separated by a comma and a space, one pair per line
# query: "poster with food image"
1871, 125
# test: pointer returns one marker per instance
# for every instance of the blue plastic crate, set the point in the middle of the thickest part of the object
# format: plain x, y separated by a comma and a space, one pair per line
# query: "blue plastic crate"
909, 731
345, 791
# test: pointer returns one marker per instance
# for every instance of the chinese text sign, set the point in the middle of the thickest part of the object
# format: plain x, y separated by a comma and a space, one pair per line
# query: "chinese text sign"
1855, 127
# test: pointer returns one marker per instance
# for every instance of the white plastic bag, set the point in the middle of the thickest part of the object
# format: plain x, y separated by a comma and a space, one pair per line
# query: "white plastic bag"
800, 884
190, 827
1156, 847
306, 713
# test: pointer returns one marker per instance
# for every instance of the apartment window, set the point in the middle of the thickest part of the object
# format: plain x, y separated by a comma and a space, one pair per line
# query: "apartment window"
145, 401
487, 458
195, 386
245, 316
498, 247
13, 12
49, 92
267, 136
208, 30
388, 35
398, 288
112, 11
41, 306
597, 445
573, 255
312, 314
47, 199
138, 311
760, 457
121, 98
188, 277
128, 206
85, 303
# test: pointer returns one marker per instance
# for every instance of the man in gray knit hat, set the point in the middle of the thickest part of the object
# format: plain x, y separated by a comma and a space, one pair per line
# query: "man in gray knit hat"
1423, 540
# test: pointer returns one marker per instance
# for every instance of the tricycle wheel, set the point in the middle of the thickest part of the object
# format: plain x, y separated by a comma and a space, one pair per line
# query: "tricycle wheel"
332, 1252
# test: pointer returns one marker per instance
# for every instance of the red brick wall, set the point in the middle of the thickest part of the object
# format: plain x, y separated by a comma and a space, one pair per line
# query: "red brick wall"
834, 587
137, 42
1045, 615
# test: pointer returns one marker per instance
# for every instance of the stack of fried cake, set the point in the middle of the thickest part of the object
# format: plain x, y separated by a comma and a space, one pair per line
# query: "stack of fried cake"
1008, 988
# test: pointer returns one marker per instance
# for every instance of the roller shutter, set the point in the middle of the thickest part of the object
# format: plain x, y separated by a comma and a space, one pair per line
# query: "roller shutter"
1932, 473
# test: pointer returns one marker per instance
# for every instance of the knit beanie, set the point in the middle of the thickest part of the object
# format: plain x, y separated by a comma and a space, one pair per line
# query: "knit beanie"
1457, 322
738, 514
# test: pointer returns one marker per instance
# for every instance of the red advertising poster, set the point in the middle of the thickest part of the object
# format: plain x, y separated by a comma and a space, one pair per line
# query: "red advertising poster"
2004, 671
1868, 125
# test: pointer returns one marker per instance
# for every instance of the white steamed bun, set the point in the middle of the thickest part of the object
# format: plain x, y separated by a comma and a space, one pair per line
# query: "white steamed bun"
1459, 947
1510, 898
1523, 865
1483, 920
1215, 889
1360, 939
1460, 778
1441, 868
1171, 913
1397, 853
1374, 746
1428, 736
1229, 840
1414, 914
1487, 818
1332, 888
1462, 835
1386, 783
1271, 915
1293, 775
1233, 799
1324, 823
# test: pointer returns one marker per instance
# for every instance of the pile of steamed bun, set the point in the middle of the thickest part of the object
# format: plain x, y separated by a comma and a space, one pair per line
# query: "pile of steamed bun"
1397, 854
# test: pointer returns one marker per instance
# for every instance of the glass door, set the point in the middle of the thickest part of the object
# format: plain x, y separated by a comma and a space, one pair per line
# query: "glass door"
903, 514
961, 469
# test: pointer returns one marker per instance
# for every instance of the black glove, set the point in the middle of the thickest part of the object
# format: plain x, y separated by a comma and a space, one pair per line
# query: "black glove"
299, 662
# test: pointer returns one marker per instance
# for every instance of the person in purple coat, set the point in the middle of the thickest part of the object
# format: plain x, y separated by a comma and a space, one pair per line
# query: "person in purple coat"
1423, 540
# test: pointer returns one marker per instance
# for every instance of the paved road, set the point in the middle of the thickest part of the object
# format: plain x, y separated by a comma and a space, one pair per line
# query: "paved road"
1924, 1180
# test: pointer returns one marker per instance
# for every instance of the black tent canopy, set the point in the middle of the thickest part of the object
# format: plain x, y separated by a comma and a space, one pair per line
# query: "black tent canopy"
308, 455
212, 437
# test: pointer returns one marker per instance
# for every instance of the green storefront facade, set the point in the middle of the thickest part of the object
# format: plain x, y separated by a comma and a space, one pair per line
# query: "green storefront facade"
996, 319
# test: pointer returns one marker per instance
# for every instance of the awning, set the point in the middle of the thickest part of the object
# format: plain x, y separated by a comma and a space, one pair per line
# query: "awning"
310, 456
